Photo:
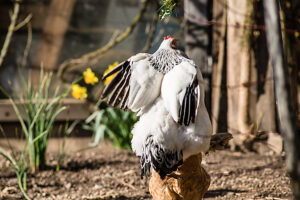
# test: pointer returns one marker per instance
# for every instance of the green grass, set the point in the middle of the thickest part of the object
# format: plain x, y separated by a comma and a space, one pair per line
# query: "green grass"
37, 113
39, 117
19, 165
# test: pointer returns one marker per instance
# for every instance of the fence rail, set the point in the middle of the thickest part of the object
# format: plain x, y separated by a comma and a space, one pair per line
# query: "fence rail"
76, 110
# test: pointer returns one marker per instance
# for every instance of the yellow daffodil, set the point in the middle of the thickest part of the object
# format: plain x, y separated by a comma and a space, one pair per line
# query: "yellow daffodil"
79, 92
89, 77
110, 67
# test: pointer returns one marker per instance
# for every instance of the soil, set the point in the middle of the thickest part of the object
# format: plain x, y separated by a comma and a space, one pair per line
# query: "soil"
109, 173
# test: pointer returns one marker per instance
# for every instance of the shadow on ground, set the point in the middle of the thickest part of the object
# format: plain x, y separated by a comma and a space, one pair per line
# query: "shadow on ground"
221, 192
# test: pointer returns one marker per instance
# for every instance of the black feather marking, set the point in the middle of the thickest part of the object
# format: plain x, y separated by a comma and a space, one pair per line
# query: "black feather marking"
115, 69
113, 99
181, 110
194, 98
187, 110
116, 89
117, 82
163, 161
180, 116
193, 106
125, 98
111, 85
121, 92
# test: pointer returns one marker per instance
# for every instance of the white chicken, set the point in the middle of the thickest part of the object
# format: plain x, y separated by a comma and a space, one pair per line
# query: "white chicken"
165, 89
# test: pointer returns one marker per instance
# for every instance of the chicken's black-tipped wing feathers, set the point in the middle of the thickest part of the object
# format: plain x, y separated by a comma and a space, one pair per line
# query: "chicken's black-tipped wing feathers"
135, 85
187, 110
117, 87
181, 92
115, 69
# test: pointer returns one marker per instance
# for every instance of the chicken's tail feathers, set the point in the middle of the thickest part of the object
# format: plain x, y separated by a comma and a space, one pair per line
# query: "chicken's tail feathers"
162, 160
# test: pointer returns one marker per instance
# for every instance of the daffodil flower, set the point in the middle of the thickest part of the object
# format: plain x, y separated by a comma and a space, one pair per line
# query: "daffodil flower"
89, 77
79, 92
110, 67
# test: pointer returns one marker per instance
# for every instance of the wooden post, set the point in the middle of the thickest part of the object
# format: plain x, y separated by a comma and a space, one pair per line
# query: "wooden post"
283, 96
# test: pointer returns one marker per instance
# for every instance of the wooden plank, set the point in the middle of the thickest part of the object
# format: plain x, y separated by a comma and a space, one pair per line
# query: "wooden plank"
76, 110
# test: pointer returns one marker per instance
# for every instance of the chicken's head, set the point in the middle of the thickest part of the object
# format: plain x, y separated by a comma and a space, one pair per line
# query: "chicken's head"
169, 43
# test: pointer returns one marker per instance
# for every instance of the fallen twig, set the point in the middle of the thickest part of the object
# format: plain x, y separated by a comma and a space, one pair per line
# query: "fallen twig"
121, 181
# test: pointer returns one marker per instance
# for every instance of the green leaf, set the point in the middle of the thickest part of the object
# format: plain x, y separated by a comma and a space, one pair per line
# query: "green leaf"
99, 135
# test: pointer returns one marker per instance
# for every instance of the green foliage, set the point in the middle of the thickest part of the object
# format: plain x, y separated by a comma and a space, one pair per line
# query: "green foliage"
20, 170
37, 113
68, 128
167, 7
40, 114
20, 166
111, 123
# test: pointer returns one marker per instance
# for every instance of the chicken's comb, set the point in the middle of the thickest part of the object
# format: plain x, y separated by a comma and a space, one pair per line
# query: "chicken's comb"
165, 38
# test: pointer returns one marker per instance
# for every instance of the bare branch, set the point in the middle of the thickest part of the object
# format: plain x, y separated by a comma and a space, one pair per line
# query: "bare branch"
153, 29
94, 56
11, 29
28, 44
23, 23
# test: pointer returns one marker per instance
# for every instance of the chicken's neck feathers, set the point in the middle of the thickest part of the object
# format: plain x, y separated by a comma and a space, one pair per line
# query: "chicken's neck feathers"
164, 60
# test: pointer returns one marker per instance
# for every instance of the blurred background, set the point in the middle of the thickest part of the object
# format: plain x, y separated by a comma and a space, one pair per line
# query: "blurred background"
51, 119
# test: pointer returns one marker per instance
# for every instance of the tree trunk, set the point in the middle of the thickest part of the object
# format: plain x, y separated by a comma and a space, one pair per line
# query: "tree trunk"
197, 39
56, 25
247, 84
219, 93
239, 63
262, 98
291, 42
283, 95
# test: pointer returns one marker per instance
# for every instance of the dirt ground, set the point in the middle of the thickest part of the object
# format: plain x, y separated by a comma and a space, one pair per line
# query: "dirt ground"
108, 173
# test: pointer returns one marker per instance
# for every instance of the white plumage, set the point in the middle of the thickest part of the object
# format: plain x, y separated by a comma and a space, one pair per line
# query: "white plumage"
144, 83
166, 90
162, 117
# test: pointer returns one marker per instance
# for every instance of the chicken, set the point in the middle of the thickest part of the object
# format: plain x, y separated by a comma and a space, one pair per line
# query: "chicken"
189, 182
165, 89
